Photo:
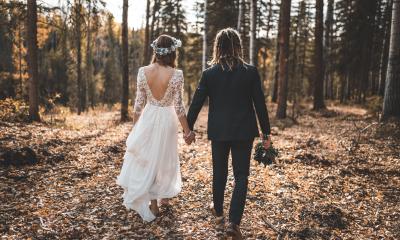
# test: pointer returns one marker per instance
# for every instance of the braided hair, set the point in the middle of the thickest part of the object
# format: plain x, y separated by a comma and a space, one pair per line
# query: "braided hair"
227, 49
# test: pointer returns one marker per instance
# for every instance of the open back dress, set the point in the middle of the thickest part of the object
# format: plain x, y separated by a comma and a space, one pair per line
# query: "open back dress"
151, 163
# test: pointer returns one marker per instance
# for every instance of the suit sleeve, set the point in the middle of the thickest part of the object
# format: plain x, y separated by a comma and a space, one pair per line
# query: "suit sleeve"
197, 103
259, 104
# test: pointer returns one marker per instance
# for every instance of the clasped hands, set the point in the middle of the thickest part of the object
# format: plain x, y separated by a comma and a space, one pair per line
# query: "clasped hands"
189, 137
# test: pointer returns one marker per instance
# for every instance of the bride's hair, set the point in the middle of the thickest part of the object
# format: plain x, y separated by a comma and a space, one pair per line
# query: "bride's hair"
165, 50
227, 49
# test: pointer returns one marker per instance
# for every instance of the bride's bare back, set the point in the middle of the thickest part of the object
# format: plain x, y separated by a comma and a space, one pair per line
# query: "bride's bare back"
158, 79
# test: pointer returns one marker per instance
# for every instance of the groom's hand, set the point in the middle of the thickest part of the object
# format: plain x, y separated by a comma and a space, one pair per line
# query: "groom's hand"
267, 142
190, 137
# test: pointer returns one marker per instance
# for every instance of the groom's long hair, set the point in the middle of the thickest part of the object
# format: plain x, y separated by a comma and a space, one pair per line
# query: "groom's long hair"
227, 49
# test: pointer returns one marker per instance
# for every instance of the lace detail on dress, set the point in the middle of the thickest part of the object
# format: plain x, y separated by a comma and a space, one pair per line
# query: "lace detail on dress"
141, 97
178, 99
172, 96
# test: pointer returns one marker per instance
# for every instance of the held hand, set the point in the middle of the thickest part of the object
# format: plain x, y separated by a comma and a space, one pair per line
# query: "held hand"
189, 137
267, 142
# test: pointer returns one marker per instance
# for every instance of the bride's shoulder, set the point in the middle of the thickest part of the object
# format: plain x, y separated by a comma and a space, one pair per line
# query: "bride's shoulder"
179, 72
140, 73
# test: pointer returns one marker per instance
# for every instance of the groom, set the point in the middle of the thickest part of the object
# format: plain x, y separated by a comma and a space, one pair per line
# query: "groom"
235, 97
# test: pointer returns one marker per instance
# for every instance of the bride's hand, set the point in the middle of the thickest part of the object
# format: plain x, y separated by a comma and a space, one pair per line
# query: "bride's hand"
189, 137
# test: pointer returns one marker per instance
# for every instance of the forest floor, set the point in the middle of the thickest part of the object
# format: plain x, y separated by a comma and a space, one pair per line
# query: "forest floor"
337, 177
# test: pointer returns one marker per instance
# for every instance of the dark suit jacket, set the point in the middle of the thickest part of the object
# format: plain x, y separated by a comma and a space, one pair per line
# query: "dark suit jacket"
233, 97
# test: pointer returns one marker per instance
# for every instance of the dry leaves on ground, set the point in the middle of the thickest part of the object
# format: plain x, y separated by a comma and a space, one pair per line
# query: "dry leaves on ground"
337, 177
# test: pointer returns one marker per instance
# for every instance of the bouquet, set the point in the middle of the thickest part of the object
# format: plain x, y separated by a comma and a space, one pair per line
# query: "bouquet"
265, 156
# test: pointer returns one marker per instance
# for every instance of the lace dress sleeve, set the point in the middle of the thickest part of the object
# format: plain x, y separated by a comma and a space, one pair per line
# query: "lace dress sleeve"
178, 100
140, 100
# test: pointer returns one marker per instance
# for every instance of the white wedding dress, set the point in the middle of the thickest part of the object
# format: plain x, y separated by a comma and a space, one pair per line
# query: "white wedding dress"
151, 163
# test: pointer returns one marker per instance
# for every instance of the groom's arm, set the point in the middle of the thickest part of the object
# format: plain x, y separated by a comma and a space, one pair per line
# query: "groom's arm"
198, 100
259, 104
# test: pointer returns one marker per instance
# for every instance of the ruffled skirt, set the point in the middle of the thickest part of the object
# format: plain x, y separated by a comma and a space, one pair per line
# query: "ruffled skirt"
151, 163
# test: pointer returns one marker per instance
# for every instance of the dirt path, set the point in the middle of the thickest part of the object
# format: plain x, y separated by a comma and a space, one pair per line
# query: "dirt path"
332, 180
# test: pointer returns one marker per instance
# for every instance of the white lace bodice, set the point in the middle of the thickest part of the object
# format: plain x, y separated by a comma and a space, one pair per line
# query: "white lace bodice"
172, 96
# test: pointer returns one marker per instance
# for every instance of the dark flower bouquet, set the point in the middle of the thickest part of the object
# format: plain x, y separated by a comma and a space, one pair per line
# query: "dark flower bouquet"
265, 156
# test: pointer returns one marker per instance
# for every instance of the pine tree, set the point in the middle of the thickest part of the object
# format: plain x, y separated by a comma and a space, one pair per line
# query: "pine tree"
318, 57
78, 45
386, 20
125, 64
205, 30
328, 78
283, 58
277, 55
112, 77
7, 88
31, 24
88, 52
391, 102
253, 25
240, 15
146, 48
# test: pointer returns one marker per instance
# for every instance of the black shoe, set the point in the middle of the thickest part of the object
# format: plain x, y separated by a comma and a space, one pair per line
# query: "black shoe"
219, 221
233, 230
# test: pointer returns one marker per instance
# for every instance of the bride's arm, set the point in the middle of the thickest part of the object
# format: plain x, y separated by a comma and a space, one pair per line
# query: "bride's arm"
179, 107
184, 124
140, 100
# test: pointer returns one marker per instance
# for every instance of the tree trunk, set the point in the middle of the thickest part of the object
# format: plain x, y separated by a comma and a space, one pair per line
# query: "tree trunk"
267, 45
385, 50
328, 50
277, 54
204, 58
88, 53
31, 38
153, 19
253, 25
391, 101
78, 43
21, 90
240, 16
293, 77
125, 63
146, 48
283, 58
318, 58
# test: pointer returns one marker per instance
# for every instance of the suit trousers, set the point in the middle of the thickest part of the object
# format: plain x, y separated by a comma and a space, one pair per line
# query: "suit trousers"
241, 153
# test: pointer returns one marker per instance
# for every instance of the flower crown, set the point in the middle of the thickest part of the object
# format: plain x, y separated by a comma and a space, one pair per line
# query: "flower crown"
164, 51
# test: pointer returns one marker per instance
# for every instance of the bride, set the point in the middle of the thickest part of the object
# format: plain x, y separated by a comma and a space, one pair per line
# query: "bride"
151, 171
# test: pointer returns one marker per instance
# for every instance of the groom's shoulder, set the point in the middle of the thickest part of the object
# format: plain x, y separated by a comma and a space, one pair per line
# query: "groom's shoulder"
211, 69
249, 67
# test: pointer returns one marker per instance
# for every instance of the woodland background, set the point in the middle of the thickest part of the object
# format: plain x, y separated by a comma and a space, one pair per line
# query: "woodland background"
331, 77
83, 58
